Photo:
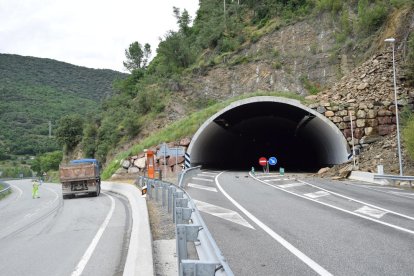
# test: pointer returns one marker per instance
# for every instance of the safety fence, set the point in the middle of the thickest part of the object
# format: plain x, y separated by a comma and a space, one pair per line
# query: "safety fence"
190, 227
5, 190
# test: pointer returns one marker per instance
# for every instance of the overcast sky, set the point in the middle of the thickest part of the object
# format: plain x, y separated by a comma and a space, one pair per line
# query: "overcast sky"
90, 33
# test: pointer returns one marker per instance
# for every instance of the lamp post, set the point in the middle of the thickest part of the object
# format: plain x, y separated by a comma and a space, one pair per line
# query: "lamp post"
392, 41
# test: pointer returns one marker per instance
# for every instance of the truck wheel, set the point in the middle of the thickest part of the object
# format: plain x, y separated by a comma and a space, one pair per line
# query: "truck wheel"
97, 192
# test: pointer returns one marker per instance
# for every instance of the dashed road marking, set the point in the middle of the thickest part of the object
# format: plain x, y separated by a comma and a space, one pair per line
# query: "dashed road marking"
276, 179
372, 212
317, 194
290, 185
203, 179
221, 212
206, 175
201, 187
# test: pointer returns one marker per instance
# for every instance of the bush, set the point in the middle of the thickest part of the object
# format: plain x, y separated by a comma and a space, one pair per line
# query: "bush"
409, 65
371, 16
408, 137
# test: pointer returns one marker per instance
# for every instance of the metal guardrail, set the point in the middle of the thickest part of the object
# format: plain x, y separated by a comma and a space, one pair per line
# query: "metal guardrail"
394, 178
6, 189
190, 227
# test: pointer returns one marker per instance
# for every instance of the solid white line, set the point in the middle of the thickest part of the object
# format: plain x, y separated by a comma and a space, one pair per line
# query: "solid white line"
203, 179
359, 201
19, 190
343, 210
201, 187
402, 194
88, 253
312, 264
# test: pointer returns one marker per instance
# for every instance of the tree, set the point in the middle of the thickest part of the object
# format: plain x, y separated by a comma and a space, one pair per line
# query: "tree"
183, 20
69, 131
137, 56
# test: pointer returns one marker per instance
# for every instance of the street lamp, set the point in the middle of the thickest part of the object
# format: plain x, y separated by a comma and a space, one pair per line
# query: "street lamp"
392, 41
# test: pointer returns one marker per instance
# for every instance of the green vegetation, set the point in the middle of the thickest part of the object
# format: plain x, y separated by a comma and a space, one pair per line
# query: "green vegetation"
4, 194
47, 162
14, 170
34, 91
409, 65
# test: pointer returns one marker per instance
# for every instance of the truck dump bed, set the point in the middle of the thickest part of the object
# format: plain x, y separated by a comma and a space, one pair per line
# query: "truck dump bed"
78, 172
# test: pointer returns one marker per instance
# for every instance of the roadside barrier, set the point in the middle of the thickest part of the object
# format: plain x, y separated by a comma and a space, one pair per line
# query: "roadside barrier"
6, 188
190, 227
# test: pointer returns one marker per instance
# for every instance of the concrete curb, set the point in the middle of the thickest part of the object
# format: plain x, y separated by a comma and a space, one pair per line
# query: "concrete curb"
367, 177
139, 260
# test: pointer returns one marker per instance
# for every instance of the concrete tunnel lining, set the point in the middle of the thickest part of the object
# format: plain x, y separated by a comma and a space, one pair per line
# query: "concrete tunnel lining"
299, 137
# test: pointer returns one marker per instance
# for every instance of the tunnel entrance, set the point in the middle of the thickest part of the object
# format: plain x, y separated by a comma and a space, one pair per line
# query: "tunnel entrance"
236, 137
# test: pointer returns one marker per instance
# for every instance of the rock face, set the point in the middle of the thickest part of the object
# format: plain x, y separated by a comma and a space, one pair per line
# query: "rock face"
136, 165
282, 60
365, 96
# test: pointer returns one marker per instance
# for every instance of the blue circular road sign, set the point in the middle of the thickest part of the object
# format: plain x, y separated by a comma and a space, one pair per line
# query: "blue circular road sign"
272, 161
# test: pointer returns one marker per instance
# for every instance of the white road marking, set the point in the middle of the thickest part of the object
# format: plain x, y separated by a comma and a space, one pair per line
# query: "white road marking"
203, 179
88, 253
407, 195
266, 175
201, 187
19, 190
206, 175
359, 201
221, 212
212, 173
371, 212
311, 263
317, 194
297, 184
346, 211
276, 179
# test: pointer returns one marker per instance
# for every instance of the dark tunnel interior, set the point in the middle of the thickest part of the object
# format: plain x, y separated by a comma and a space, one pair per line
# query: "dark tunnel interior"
237, 138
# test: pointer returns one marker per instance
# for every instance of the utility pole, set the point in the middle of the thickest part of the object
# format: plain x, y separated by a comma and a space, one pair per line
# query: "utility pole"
50, 129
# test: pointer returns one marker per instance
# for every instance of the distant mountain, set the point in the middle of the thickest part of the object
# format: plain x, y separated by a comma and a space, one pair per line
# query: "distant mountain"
34, 91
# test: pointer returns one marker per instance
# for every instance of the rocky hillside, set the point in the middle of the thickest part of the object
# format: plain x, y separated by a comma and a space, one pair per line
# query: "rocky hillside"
304, 55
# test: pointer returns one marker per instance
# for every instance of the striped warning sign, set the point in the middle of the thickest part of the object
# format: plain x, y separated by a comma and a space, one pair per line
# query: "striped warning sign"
187, 162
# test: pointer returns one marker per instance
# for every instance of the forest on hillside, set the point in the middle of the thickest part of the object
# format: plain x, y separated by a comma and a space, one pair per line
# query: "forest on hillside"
36, 91
220, 31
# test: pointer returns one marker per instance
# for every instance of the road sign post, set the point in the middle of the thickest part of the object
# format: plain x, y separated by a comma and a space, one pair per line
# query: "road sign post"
263, 162
272, 161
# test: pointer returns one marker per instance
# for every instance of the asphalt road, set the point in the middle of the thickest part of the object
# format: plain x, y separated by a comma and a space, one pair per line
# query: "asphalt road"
52, 236
273, 225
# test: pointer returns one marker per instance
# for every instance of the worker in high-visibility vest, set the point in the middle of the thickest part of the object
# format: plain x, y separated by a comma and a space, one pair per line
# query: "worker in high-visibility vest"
35, 190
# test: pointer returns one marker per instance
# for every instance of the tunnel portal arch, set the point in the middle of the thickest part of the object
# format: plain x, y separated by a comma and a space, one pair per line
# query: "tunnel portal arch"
238, 135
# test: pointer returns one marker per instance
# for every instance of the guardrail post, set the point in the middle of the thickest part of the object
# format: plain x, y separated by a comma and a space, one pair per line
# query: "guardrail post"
149, 188
199, 268
171, 191
175, 196
182, 215
185, 233
156, 189
164, 194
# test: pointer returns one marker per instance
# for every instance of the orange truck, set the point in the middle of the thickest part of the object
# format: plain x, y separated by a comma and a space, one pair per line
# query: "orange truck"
80, 177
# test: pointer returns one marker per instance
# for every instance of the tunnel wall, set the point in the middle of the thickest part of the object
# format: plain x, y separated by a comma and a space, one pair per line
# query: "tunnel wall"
331, 144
